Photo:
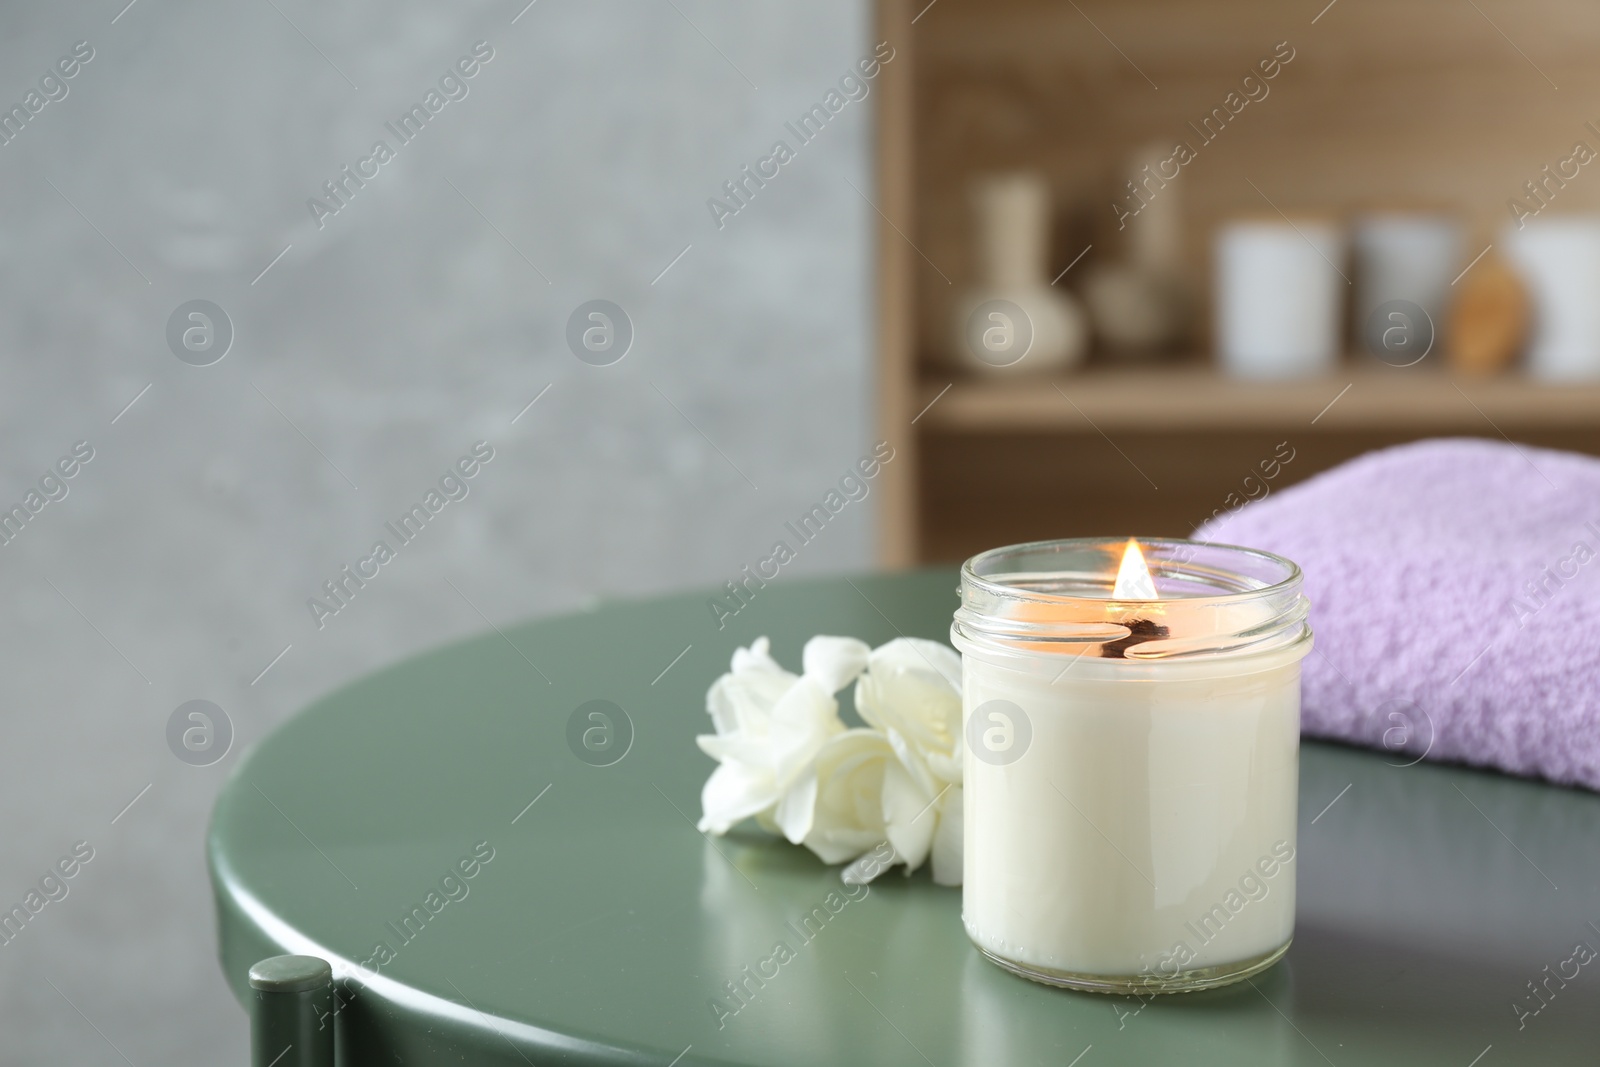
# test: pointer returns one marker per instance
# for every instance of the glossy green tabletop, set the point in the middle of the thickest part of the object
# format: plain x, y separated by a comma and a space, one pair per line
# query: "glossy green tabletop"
597, 926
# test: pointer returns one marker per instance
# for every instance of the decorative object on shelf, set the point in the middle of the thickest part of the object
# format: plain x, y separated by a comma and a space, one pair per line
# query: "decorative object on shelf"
1141, 306
883, 794
1559, 259
1013, 320
1489, 319
1471, 565
1132, 760
1407, 258
1279, 294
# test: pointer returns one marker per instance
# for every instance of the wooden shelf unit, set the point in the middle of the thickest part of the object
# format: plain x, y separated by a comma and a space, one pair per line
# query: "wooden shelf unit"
1364, 116
1198, 399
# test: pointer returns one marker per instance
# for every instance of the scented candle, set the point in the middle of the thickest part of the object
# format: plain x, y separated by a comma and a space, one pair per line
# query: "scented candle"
1133, 726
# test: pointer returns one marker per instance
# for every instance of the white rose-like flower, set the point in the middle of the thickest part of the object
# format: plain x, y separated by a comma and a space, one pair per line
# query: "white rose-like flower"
770, 726
911, 691
785, 757
847, 811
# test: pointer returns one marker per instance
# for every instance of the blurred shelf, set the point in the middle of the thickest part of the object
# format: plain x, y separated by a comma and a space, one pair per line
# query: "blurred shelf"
1191, 398
1361, 120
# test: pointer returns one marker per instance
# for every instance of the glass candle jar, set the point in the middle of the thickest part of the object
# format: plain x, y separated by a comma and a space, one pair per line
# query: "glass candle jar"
1132, 765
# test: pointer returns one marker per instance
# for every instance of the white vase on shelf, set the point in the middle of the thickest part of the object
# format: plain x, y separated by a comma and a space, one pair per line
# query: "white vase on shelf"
1012, 320
1140, 304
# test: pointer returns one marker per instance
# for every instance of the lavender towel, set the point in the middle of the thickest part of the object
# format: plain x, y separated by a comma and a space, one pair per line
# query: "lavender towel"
1455, 599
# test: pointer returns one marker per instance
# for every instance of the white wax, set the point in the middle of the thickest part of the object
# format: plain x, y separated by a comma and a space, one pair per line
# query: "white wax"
1149, 826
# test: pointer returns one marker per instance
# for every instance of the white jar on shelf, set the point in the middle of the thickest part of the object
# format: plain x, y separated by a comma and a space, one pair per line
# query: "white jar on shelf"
1559, 260
1280, 292
1404, 258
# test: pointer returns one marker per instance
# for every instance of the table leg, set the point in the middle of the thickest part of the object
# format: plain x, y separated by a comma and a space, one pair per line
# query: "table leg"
291, 1018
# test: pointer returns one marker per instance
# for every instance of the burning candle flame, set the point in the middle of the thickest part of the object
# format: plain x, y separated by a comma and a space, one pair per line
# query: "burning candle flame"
1133, 577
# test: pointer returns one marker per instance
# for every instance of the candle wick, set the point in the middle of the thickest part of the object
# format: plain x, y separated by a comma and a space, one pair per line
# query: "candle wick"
1139, 631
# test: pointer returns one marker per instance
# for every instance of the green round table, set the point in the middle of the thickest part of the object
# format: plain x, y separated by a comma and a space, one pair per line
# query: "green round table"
485, 896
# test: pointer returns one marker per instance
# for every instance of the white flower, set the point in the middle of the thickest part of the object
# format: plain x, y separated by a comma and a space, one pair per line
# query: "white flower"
912, 692
786, 758
770, 725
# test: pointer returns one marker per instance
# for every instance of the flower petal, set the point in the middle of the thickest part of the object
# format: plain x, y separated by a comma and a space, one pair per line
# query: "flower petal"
742, 699
801, 721
797, 807
912, 690
913, 763
848, 818
946, 767
920, 654
835, 662
758, 657
908, 816
734, 792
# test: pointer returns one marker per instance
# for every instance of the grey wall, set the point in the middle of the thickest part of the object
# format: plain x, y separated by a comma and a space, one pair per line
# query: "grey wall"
374, 352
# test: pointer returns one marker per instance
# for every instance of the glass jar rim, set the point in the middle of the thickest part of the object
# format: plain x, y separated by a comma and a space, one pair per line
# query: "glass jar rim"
1251, 599
1290, 570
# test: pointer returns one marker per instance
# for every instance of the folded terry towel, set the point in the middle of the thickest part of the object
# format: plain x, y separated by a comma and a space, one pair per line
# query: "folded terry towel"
1455, 599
